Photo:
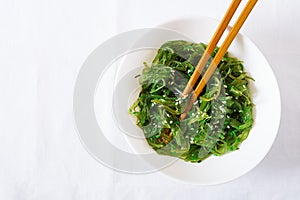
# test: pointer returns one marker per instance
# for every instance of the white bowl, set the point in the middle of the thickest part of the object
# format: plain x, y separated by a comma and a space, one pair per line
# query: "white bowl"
214, 170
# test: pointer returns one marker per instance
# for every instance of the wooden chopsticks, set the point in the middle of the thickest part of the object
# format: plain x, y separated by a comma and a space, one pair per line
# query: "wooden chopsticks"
211, 46
221, 52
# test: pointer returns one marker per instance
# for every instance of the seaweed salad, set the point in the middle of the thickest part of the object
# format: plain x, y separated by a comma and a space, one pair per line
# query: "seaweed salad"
219, 121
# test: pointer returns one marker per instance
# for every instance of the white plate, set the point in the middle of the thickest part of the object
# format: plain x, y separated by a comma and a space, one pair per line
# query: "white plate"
265, 93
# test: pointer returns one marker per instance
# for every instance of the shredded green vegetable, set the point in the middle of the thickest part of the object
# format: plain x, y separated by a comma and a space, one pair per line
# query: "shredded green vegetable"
218, 122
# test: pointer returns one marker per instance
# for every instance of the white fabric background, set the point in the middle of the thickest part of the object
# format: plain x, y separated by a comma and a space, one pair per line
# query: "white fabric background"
42, 46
